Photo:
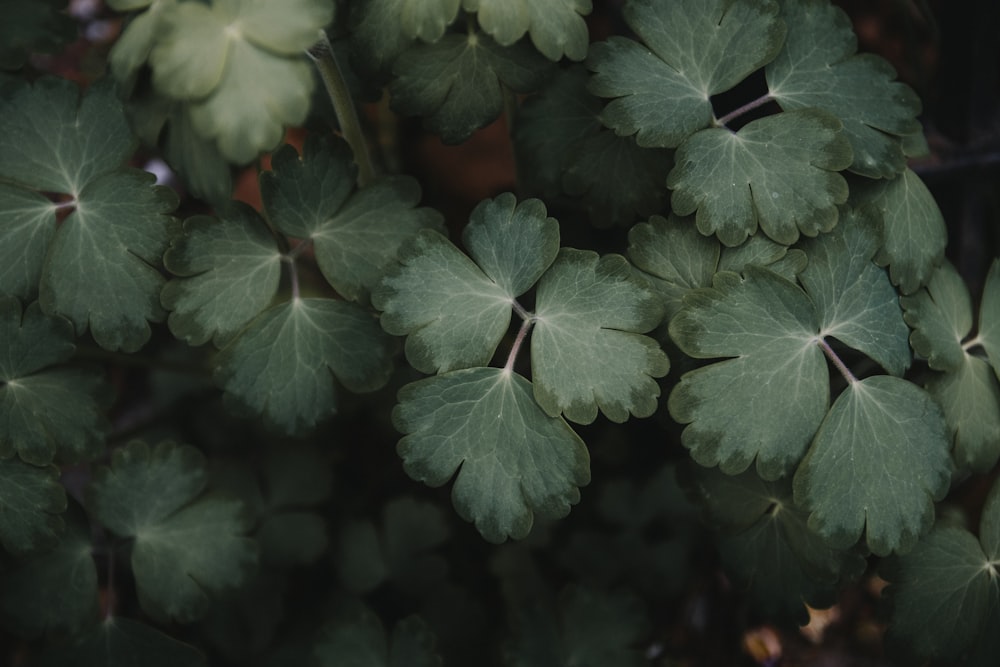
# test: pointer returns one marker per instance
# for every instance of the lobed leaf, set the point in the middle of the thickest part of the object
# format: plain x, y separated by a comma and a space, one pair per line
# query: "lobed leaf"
989, 317
484, 425
557, 28
121, 642
969, 396
587, 351
383, 29
359, 639
941, 317
31, 502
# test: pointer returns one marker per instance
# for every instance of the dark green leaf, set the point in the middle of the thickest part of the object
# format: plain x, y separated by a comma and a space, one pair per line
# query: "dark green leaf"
122, 642
31, 503
33, 26
556, 27
382, 29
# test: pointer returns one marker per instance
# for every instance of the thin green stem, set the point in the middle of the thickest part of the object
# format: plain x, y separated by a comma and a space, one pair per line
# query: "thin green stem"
527, 321
832, 356
293, 272
969, 344
325, 59
746, 108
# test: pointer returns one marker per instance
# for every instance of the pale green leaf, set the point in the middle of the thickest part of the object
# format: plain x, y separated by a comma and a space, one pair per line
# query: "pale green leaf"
941, 318
876, 467
691, 50
457, 83
28, 229
969, 395
989, 316
131, 50
31, 27
202, 167
286, 27
189, 57
452, 313
512, 460
46, 411
283, 365
765, 402
122, 642
227, 272
382, 29
587, 351
941, 594
777, 173
818, 67
556, 27
913, 230
356, 638
31, 502
855, 301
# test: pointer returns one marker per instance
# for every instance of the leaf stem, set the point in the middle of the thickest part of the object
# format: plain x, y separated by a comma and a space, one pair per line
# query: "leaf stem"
832, 356
746, 108
293, 271
527, 321
323, 56
969, 344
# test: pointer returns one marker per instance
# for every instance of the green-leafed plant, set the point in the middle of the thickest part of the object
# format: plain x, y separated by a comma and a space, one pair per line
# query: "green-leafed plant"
760, 362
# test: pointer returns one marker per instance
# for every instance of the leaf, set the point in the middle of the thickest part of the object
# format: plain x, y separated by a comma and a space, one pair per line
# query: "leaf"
383, 29
586, 349
941, 317
32, 382
283, 365
913, 230
818, 67
855, 301
241, 66
97, 267
777, 173
186, 545
227, 272
457, 82
969, 396
660, 90
453, 311
484, 423
557, 28
131, 50
52, 591
989, 317
359, 640
356, 233
765, 402
877, 465
31, 502
122, 642
37, 26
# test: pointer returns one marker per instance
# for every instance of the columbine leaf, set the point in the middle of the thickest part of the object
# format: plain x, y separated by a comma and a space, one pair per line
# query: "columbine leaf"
382, 29
30, 27
241, 65
355, 233
485, 424
122, 642
186, 546
818, 67
31, 502
132, 47
97, 268
989, 316
913, 230
777, 173
878, 463
227, 273
457, 83
284, 363
53, 591
769, 399
855, 301
557, 28
587, 351
46, 411
692, 49
969, 395
941, 318
358, 639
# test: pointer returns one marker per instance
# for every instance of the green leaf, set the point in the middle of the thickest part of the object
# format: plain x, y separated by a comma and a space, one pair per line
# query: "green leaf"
242, 67
31, 502
484, 423
227, 273
913, 230
877, 465
359, 640
855, 301
383, 29
283, 365
691, 50
131, 50
776, 173
989, 317
122, 642
941, 317
54, 591
587, 351
28, 230
557, 28
457, 83
969, 395
356, 233
186, 545
818, 67
31, 383
454, 311
765, 402
590, 629
37, 26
